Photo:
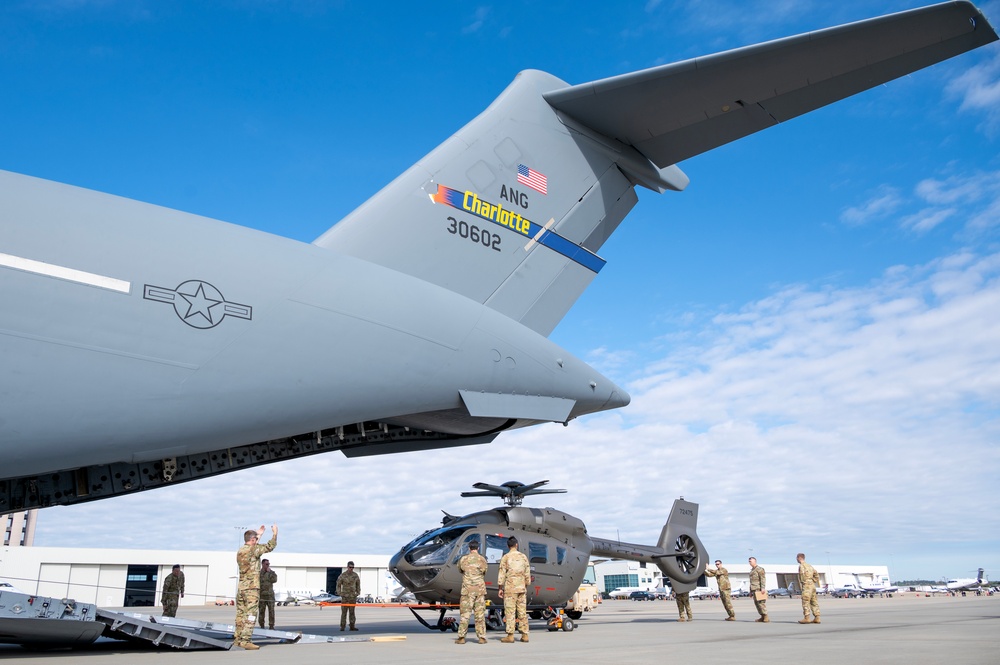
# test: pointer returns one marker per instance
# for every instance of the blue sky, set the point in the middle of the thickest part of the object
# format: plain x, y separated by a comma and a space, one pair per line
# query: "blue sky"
810, 332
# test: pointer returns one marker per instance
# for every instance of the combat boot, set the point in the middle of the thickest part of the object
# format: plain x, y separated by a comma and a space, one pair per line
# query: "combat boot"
682, 619
482, 640
767, 619
730, 618
508, 639
524, 637
805, 620
460, 640
759, 620
250, 646
815, 620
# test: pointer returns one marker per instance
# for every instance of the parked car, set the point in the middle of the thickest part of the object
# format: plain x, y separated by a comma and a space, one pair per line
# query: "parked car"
326, 598
641, 595
845, 593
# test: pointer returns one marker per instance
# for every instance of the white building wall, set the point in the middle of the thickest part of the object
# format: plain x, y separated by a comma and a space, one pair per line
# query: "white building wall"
100, 576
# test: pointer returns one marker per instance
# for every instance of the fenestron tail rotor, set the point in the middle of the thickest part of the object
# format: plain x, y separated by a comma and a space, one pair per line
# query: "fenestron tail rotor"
512, 492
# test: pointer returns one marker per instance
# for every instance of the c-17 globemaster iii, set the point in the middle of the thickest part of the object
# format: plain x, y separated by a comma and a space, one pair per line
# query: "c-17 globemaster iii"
142, 346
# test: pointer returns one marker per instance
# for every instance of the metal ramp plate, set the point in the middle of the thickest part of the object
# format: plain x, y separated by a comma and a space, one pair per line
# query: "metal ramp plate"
191, 634
141, 627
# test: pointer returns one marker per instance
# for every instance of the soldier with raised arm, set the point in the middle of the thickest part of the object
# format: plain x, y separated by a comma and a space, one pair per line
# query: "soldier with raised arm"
248, 593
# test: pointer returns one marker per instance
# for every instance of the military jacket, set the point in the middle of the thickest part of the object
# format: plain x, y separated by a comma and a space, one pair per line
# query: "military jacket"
349, 585
758, 580
808, 577
173, 585
267, 581
723, 577
248, 560
473, 567
515, 572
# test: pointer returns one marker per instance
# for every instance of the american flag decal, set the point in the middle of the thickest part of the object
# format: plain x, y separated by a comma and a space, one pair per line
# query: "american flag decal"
532, 178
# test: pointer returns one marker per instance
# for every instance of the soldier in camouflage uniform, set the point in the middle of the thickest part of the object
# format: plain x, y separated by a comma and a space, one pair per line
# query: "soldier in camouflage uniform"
248, 595
267, 579
173, 591
473, 567
348, 588
725, 589
808, 579
758, 582
515, 573
683, 599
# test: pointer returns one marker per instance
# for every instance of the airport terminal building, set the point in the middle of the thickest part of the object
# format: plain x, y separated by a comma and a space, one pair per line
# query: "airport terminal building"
613, 575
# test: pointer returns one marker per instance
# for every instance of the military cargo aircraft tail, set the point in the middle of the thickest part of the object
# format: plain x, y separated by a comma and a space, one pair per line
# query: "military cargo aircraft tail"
512, 210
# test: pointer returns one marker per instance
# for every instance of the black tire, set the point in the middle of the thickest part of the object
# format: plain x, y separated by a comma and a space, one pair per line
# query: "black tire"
494, 620
535, 614
574, 615
568, 625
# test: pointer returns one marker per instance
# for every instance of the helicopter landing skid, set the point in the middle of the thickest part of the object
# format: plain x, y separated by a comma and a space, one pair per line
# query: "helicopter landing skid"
443, 624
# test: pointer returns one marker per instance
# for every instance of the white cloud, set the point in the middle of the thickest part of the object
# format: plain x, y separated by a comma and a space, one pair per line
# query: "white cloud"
479, 18
979, 90
886, 201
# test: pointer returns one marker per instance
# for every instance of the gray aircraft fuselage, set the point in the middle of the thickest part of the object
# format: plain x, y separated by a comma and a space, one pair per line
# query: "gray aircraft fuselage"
272, 338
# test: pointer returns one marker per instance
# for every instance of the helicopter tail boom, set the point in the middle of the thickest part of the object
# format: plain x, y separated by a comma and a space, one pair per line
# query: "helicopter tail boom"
679, 553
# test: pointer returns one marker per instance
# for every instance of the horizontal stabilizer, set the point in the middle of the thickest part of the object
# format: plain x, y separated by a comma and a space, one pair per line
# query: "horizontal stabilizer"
677, 111
522, 407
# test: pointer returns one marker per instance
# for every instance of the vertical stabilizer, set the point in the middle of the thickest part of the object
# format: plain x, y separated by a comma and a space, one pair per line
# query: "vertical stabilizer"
510, 211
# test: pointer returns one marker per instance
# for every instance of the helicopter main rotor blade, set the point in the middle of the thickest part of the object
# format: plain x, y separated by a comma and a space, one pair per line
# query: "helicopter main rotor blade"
495, 489
524, 489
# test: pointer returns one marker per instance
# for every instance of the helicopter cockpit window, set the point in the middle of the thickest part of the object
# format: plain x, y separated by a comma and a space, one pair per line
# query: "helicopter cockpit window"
464, 549
560, 555
495, 547
432, 548
538, 553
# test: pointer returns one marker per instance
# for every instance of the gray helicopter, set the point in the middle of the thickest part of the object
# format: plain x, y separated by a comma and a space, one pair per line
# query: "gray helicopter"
557, 545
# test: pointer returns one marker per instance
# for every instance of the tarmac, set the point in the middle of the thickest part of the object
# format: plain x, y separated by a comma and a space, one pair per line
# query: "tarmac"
912, 629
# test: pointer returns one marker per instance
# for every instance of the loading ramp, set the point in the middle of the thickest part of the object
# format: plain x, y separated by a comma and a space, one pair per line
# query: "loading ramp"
52, 622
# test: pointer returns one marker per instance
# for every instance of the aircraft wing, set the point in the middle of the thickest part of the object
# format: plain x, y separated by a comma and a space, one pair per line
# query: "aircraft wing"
677, 111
